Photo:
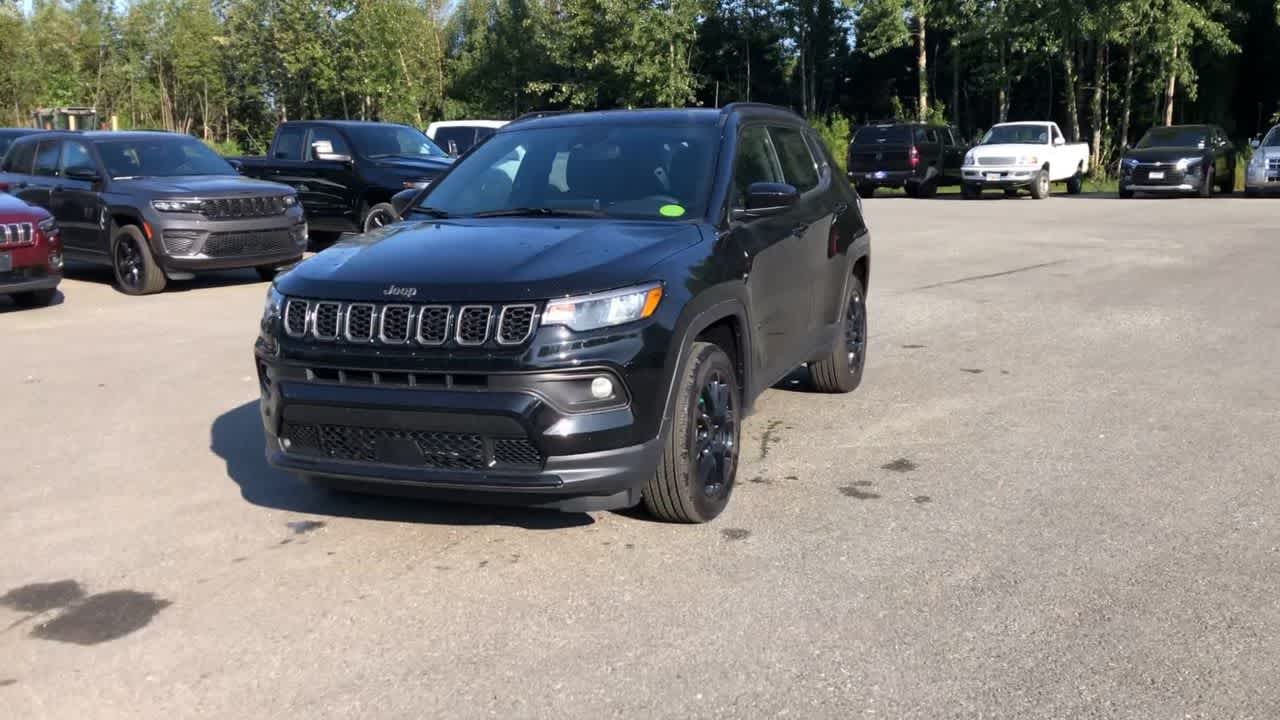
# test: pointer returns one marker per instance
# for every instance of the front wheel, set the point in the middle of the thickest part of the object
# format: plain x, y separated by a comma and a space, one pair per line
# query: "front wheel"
1228, 186
135, 267
378, 216
1125, 193
970, 191
1040, 186
1206, 187
840, 371
699, 462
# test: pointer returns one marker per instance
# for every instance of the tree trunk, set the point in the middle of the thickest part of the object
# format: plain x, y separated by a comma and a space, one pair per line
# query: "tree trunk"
1095, 103
1070, 81
1127, 105
922, 63
1171, 87
1002, 95
955, 83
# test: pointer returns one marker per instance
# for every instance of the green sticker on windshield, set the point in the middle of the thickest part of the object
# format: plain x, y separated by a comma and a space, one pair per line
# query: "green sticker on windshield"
671, 210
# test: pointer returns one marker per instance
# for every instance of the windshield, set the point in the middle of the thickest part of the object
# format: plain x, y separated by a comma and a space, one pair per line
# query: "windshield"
1017, 135
160, 156
883, 135
374, 141
1273, 138
1173, 137
652, 172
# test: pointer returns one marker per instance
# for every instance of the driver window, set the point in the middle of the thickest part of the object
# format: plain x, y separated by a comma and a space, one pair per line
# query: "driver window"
326, 140
75, 156
755, 163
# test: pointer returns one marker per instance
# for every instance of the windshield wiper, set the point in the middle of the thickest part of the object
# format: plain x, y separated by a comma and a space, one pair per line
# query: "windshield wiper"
430, 211
538, 212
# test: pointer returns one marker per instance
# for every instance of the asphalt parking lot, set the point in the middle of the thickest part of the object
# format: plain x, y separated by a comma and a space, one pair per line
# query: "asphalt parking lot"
1054, 496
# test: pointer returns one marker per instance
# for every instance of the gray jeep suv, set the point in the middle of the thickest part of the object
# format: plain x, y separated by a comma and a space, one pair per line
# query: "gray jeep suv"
154, 206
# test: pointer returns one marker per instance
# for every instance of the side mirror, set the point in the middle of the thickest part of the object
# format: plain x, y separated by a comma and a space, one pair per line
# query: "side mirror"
332, 157
1255, 143
766, 198
1058, 142
82, 174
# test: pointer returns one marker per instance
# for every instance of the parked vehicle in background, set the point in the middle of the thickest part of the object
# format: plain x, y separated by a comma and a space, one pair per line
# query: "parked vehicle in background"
1179, 159
916, 157
1031, 155
30, 253
1263, 172
458, 136
8, 135
592, 335
346, 172
154, 206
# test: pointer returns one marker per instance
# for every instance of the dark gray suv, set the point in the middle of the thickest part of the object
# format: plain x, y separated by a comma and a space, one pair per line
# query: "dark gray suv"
154, 206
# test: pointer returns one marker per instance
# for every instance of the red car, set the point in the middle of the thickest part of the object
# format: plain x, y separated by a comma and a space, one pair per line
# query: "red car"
30, 253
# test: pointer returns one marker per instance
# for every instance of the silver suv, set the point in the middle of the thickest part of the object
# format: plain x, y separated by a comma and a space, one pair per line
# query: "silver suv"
1263, 173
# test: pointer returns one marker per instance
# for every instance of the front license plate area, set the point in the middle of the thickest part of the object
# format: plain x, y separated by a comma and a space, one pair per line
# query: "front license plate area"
1156, 175
879, 175
6, 262
993, 176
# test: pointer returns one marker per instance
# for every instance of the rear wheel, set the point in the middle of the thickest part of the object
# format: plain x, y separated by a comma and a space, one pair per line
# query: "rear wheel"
970, 191
135, 267
378, 216
699, 462
927, 188
1125, 193
1228, 186
1075, 184
1252, 192
840, 371
1011, 192
1040, 186
866, 191
35, 298
912, 189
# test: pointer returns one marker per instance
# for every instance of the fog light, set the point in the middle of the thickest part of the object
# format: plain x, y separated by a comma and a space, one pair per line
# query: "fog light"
602, 388
55, 260
286, 443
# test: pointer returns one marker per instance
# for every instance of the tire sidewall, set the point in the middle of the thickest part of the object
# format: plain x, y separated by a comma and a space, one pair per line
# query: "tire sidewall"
855, 290
374, 210
708, 360
130, 233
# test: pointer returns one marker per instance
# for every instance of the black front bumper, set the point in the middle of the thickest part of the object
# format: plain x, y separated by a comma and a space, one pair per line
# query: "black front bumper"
882, 178
27, 280
496, 439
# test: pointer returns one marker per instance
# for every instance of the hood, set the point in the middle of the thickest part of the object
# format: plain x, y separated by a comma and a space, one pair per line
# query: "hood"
202, 186
15, 209
1267, 152
415, 167
1170, 155
489, 260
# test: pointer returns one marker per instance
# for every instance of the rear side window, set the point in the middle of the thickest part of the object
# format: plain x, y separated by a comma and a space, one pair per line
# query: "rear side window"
326, 140
455, 140
288, 143
797, 164
47, 158
883, 135
754, 163
20, 157
75, 156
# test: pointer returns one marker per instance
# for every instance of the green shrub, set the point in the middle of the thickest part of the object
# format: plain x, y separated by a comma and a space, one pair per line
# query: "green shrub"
834, 131
225, 147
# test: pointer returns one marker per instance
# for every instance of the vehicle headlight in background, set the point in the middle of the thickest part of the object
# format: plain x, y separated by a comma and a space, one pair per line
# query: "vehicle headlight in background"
190, 206
48, 227
1187, 164
968, 159
1129, 163
272, 307
591, 312
290, 200
1028, 160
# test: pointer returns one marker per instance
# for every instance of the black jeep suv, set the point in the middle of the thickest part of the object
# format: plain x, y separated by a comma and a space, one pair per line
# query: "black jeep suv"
577, 315
913, 156
154, 206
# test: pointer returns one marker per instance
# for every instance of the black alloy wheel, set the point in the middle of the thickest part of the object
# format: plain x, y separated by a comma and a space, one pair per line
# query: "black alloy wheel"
135, 268
840, 370
129, 266
715, 451
379, 216
855, 331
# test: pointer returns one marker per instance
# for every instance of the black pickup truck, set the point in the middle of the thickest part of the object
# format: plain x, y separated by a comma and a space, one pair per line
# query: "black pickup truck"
346, 172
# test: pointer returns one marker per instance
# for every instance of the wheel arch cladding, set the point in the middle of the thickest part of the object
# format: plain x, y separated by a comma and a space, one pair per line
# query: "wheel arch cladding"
726, 333
862, 271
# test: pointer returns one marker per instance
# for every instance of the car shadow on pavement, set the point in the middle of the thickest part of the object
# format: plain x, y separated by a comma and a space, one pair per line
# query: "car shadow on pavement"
236, 437
7, 305
100, 274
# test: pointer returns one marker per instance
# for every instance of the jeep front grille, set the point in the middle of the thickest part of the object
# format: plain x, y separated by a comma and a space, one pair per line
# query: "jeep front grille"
17, 234
242, 207
411, 324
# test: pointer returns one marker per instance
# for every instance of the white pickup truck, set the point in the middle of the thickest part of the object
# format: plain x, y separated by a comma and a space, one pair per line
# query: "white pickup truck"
1027, 155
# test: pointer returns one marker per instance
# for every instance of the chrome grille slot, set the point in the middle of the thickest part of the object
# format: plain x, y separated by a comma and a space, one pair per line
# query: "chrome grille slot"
360, 322
395, 324
17, 234
433, 324
324, 321
473, 324
997, 161
295, 318
242, 207
515, 323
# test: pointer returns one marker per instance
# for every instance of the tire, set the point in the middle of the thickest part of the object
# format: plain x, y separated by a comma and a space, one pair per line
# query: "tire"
1228, 186
695, 477
378, 216
1125, 193
927, 189
1040, 186
133, 264
841, 370
1206, 187
1252, 192
1075, 184
969, 191
1011, 192
866, 191
35, 298
266, 273
911, 189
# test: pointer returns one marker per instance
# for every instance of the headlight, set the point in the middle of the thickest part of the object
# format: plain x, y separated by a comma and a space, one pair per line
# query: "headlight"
48, 226
1187, 164
1257, 161
590, 312
1129, 163
1028, 160
273, 307
290, 200
968, 159
190, 206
